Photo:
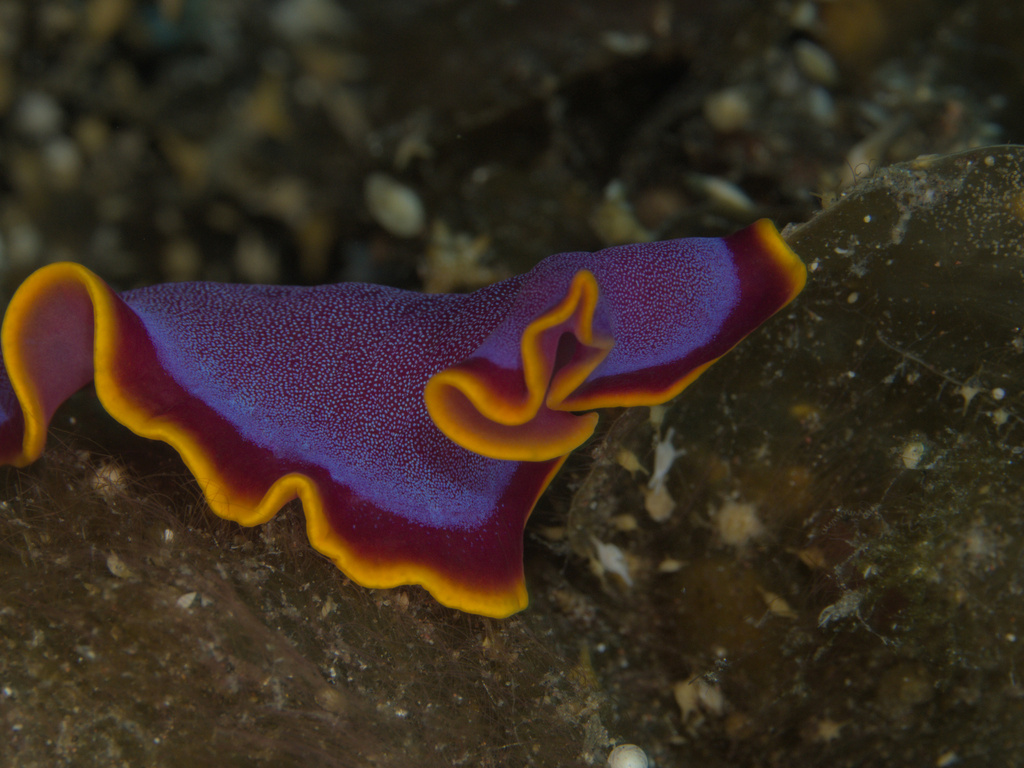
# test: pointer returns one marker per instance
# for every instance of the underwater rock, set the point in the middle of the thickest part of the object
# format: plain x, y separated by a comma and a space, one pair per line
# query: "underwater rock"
877, 428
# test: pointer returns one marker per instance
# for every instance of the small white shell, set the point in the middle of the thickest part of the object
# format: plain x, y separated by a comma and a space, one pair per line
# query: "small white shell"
628, 756
394, 206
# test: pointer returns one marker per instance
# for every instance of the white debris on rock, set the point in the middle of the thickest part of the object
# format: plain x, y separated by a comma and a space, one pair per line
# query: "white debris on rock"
912, 454
659, 503
737, 523
611, 559
108, 480
665, 454
629, 461
698, 697
117, 567
847, 605
657, 500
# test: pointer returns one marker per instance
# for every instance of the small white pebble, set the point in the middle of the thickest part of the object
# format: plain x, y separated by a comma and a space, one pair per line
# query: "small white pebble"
185, 601
396, 207
626, 44
728, 110
821, 106
815, 63
725, 196
63, 161
627, 756
614, 219
38, 115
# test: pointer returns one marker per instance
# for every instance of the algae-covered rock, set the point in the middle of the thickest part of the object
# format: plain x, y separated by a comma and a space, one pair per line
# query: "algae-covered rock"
870, 440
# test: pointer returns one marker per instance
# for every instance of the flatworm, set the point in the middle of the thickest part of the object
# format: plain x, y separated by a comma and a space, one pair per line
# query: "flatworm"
417, 430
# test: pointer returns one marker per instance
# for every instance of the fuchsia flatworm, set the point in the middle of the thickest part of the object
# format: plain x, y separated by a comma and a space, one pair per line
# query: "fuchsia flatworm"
417, 430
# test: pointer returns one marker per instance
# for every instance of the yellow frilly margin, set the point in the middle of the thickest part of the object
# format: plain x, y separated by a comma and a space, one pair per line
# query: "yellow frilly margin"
32, 306
531, 425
